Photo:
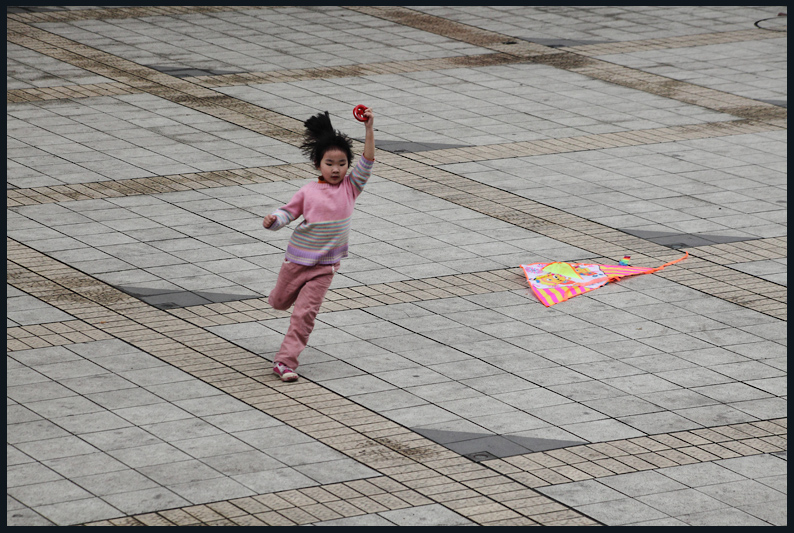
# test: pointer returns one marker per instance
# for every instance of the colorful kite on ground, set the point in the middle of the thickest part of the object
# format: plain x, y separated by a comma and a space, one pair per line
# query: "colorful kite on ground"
556, 282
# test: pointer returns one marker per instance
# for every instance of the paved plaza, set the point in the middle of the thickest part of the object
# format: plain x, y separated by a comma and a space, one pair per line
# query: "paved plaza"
146, 144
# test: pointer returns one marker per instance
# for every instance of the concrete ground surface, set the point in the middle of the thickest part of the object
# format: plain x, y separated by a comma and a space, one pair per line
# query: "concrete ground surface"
145, 144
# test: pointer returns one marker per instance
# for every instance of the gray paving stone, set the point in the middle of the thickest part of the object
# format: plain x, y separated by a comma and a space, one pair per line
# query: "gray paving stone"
17, 414
274, 480
43, 356
29, 474
128, 361
207, 491
246, 462
357, 384
211, 405
746, 492
88, 423
116, 393
363, 520
508, 422
79, 511
147, 378
70, 369
701, 474
725, 517
24, 376
384, 363
711, 356
391, 399
201, 447
25, 517
679, 399
775, 386
759, 350
621, 511
141, 456
621, 406
642, 483
661, 422
16, 457
602, 430
660, 522
145, 501
53, 448
85, 465
531, 399
731, 392
420, 415
674, 502
114, 482
340, 470
47, 493
179, 472
771, 512
693, 377
582, 492
748, 370
642, 383
754, 466
569, 413
767, 407
427, 515
476, 406
43, 391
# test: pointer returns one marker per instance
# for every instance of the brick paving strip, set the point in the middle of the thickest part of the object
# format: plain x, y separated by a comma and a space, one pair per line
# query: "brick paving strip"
364, 296
572, 61
424, 289
67, 91
424, 472
415, 470
541, 469
149, 80
158, 184
51, 334
370, 69
252, 175
668, 43
698, 273
123, 13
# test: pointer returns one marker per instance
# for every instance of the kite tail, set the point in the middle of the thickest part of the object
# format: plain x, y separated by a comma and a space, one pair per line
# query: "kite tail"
657, 269
616, 273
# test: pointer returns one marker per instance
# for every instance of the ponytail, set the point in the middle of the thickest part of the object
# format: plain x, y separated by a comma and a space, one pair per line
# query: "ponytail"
320, 136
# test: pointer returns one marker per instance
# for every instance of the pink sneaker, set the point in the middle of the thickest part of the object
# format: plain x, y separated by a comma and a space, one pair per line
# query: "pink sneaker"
284, 372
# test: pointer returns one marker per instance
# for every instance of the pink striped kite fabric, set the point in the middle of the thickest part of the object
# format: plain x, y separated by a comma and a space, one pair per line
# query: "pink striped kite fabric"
552, 287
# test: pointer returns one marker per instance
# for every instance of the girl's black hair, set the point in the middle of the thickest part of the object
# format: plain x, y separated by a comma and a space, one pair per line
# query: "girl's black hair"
320, 136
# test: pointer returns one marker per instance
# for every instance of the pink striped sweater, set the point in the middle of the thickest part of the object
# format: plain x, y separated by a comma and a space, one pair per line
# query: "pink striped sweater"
327, 211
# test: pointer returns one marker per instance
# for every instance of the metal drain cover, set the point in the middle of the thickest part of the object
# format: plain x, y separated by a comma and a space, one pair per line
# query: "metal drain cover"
480, 456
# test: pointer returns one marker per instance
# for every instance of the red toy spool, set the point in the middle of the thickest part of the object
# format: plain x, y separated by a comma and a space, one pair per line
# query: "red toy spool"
358, 112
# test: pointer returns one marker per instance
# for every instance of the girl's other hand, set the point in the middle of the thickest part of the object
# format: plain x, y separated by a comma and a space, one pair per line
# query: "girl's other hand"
268, 221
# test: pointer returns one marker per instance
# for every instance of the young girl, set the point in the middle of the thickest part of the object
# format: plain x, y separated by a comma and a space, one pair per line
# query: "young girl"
319, 242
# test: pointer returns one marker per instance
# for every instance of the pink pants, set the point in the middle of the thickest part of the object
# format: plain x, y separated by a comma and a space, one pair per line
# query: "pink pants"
304, 286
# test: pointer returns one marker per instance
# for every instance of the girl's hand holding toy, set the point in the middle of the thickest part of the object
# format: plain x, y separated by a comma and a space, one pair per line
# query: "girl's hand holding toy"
363, 114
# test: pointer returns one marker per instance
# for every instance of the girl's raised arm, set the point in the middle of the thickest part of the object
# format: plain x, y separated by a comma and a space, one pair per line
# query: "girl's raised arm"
369, 139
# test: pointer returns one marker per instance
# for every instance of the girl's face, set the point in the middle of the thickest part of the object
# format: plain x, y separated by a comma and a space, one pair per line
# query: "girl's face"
333, 166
